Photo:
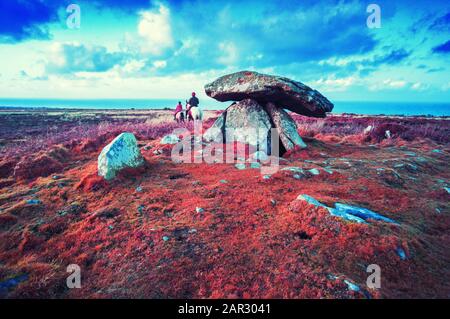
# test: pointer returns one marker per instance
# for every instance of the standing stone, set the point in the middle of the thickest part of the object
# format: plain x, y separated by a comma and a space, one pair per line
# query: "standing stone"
245, 121
121, 153
287, 129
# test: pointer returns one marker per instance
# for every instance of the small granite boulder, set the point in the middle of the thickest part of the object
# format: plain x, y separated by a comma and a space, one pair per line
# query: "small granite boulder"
122, 152
169, 139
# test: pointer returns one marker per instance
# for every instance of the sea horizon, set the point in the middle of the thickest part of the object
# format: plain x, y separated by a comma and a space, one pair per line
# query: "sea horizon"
354, 107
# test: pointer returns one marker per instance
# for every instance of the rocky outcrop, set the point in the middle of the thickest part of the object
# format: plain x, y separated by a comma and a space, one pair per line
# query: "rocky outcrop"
348, 212
122, 152
283, 92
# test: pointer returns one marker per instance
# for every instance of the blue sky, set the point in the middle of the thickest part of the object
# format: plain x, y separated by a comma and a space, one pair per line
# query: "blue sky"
167, 49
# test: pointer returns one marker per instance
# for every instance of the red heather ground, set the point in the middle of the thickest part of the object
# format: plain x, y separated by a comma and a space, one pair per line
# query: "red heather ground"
253, 240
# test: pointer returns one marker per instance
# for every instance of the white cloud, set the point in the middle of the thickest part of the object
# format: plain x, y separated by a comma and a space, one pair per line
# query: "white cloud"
446, 87
333, 84
155, 30
419, 86
160, 64
35, 70
396, 84
190, 47
133, 66
230, 53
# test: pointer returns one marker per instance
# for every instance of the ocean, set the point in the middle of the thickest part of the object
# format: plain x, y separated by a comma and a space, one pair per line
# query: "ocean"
370, 108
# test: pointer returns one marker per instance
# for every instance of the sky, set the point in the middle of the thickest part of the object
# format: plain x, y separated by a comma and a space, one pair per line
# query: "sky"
167, 49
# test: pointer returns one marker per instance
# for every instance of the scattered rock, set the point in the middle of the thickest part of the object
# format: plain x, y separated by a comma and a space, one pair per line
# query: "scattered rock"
311, 200
169, 139
34, 202
351, 286
368, 129
332, 211
390, 177
121, 153
314, 171
293, 169
11, 283
363, 213
412, 154
74, 208
259, 156
255, 165
401, 253
140, 209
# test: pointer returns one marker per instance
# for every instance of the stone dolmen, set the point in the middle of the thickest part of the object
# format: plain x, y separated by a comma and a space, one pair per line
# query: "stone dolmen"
259, 101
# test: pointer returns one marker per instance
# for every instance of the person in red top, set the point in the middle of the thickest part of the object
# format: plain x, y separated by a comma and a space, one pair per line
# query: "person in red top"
179, 109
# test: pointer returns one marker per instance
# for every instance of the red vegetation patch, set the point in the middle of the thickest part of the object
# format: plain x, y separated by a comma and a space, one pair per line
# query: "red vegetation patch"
7, 220
7, 168
94, 144
42, 164
170, 230
24, 209
91, 182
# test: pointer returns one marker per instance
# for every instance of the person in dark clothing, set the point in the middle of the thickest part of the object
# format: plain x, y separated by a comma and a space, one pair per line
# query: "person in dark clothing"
193, 102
